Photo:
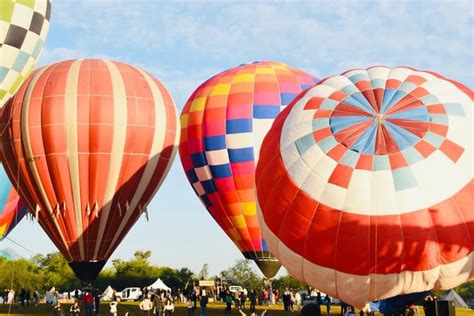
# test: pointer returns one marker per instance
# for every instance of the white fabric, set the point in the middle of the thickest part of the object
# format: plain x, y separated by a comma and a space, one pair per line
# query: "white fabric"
457, 300
159, 285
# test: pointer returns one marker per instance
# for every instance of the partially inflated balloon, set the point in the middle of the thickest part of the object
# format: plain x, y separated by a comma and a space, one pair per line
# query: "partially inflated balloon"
87, 144
23, 29
12, 209
223, 124
365, 184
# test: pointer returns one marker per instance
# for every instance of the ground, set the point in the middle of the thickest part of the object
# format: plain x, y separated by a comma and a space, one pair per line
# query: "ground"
214, 309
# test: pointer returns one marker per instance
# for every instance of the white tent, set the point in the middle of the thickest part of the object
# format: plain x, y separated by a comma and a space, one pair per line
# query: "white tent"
107, 294
159, 285
457, 300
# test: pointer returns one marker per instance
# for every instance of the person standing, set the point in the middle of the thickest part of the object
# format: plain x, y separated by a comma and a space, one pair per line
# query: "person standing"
327, 302
57, 310
253, 300
228, 302
146, 306
11, 296
169, 308
203, 302
75, 309
298, 300
89, 301
113, 308
36, 297
158, 303
190, 307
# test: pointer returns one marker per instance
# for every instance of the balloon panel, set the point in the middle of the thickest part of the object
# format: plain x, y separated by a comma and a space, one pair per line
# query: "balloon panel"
24, 27
365, 184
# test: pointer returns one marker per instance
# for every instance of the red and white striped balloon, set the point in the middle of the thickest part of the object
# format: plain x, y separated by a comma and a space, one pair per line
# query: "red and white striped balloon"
87, 144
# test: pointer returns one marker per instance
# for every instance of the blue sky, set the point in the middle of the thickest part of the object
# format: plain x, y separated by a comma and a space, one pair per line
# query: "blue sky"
184, 43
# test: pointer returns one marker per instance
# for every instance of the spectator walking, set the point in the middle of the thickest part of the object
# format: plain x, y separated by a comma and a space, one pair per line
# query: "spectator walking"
89, 301
228, 302
327, 302
158, 304
253, 300
10, 296
57, 309
97, 303
36, 297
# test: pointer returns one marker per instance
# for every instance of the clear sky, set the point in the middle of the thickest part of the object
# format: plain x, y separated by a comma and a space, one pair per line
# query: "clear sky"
184, 43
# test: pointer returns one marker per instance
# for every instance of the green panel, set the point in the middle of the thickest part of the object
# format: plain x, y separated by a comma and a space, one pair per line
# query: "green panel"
28, 3
6, 10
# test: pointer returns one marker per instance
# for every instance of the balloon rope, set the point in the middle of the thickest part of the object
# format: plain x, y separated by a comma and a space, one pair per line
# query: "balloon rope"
19, 245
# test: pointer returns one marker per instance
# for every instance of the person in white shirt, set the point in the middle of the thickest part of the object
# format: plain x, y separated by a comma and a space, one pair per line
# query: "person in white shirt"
113, 308
146, 306
169, 308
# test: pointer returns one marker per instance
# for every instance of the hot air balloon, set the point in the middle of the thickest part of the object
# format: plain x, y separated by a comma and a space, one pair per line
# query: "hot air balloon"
365, 184
12, 209
88, 143
222, 126
24, 27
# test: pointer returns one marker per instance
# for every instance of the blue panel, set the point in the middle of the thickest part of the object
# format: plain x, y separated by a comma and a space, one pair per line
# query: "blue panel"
241, 154
440, 118
338, 123
359, 77
208, 186
412, 155
328, 104
387, 96
20, 61
214, 142
350, 158
304, 143
286, 98
5, 188
328, 143
192, 176
366, 142
239, 126
3, 73
402, 137
206, 201
266, 111
403, 179
416, 114
434, 139
395, 98
358, 104
381, 163
377, 83
199, 160
221, 171
265, 245
452, 109
306, 86
37, 50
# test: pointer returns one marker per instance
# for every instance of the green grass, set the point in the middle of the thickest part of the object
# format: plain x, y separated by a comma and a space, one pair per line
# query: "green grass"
214, 309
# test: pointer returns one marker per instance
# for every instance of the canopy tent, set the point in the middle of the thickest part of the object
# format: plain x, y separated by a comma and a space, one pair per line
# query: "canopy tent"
453, 296
159, 285
107, 294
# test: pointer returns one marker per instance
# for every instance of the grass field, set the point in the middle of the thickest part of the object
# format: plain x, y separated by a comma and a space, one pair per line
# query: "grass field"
214, 309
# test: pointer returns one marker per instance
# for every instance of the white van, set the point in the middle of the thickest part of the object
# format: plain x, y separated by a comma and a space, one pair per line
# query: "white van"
235, 288
131, 294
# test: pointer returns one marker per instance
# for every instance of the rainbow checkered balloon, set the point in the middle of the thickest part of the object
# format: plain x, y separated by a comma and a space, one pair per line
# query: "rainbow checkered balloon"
365, 184
222, 127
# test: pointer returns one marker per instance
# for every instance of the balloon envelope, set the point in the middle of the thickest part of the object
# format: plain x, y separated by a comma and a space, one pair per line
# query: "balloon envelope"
23, 31
12, 209
365, 184
88, 143
222, 126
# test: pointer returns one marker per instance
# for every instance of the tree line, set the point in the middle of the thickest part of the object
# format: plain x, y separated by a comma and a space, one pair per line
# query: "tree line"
42, 272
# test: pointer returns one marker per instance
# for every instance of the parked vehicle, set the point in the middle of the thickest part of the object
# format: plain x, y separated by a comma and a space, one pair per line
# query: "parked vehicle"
235, 288
131, 294
470, 303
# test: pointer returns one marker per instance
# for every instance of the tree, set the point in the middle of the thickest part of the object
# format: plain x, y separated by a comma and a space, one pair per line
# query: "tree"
288, 282
241, 273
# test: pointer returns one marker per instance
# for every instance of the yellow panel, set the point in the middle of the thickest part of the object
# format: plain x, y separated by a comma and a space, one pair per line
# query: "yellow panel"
249, 208
3, 228
198, 104
244, 78
184, 120
220, 89
239, 221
